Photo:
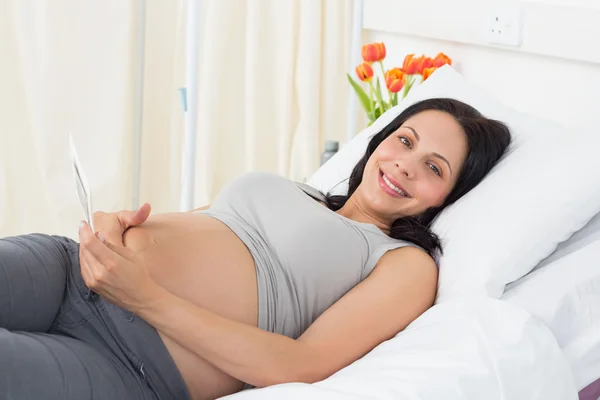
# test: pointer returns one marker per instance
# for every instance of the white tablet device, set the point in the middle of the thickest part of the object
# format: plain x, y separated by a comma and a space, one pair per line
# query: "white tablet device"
83, 189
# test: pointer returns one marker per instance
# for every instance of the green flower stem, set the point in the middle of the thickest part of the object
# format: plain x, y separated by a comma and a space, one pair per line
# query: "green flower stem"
378, 95
363, 97
408, 84
388, 90
373, 106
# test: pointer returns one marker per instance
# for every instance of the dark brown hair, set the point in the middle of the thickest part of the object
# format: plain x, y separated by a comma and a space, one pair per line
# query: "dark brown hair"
487, 141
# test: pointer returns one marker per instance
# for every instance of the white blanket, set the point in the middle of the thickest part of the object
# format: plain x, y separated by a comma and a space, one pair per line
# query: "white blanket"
458, 350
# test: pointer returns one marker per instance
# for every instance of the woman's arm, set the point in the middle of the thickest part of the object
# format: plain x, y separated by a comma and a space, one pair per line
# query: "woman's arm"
402, 286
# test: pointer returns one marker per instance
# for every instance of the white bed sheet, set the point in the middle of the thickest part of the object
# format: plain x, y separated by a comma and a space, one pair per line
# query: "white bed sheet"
458, 350
564, 293
488, 348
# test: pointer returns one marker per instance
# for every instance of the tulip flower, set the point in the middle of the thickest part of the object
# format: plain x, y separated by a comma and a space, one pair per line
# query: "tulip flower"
441, 59
394, 80
427, 72
423, 63
364, 72
397, 81
373, 52
410, 65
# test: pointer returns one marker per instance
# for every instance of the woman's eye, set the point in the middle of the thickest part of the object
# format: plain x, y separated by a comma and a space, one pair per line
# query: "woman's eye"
405, 141
435, 169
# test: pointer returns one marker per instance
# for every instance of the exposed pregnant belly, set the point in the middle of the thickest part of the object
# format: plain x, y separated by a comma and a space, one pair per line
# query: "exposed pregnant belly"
200, 259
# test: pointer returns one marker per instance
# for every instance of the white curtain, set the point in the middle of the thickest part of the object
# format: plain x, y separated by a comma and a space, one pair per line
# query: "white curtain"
65, 66
272, 88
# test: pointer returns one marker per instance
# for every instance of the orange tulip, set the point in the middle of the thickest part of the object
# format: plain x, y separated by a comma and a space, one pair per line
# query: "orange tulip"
394, 80
364, 72
373, 52
410, 65
441, 59
423, 63
427, 72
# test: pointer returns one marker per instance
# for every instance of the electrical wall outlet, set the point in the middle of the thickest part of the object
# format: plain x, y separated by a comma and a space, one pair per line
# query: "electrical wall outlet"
503, 25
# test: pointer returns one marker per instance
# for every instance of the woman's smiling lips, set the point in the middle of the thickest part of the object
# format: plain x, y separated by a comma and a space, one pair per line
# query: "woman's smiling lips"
392, 187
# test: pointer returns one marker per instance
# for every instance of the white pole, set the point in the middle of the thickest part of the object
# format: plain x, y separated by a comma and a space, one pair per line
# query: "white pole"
355, 57
139, 104
191, 116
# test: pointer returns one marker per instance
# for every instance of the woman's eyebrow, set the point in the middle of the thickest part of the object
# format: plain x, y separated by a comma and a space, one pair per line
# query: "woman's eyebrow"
414, 132
441, 157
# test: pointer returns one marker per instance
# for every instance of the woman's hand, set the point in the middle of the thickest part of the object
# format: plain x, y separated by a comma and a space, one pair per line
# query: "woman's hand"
112, 226
115, 272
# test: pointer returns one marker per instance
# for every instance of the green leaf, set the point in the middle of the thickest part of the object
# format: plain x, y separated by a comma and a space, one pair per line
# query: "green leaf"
379, 98
371, 115
377, 112
372, 102
408, 85
362, 96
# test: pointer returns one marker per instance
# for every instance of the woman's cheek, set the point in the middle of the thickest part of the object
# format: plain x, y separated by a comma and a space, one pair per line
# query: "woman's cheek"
433, 195
441, 196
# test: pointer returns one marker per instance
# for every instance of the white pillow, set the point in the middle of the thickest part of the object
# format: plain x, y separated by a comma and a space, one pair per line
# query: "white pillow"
544, 190
564, 295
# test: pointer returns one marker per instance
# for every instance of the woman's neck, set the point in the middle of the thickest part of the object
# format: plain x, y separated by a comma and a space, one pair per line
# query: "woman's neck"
354, 210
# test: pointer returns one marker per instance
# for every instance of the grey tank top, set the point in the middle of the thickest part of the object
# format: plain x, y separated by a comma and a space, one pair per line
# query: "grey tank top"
306, 255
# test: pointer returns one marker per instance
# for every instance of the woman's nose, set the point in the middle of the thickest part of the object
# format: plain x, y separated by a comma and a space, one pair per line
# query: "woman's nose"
406, 167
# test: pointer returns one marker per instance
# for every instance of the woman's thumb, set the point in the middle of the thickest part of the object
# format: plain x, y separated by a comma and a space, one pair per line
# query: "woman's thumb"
141, 214
138, 216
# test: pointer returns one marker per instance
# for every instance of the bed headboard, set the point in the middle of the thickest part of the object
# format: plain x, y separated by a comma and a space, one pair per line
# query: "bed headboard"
554, 73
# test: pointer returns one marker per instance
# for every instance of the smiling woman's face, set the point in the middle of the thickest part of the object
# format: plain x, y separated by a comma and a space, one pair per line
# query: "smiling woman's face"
416, 167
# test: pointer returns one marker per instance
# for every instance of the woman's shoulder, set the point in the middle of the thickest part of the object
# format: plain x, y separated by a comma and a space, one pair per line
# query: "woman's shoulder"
409, 253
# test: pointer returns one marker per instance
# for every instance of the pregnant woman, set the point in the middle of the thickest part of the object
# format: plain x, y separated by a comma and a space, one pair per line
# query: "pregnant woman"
274, 282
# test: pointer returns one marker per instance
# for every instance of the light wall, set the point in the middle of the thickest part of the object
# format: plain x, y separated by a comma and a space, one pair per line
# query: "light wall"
555, 73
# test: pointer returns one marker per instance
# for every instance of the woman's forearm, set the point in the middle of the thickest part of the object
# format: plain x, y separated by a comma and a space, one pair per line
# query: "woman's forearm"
247, 353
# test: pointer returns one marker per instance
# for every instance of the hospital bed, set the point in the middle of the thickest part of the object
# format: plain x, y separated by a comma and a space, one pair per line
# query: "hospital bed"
539, 337
563, 292
541, 340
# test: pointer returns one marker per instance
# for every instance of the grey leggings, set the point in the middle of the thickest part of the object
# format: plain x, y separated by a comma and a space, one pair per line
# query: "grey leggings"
58, 340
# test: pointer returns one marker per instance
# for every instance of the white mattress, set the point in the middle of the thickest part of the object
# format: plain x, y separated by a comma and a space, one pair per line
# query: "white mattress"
564, 293
487, 348
458, 350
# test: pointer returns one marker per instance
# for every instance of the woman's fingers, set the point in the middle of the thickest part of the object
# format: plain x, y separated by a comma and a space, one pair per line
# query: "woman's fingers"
88, 266
122, 251
109, 225
134, 218
99, 253
113, 271
114, 225
88, 269
99, 261
94, 245
142, 213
